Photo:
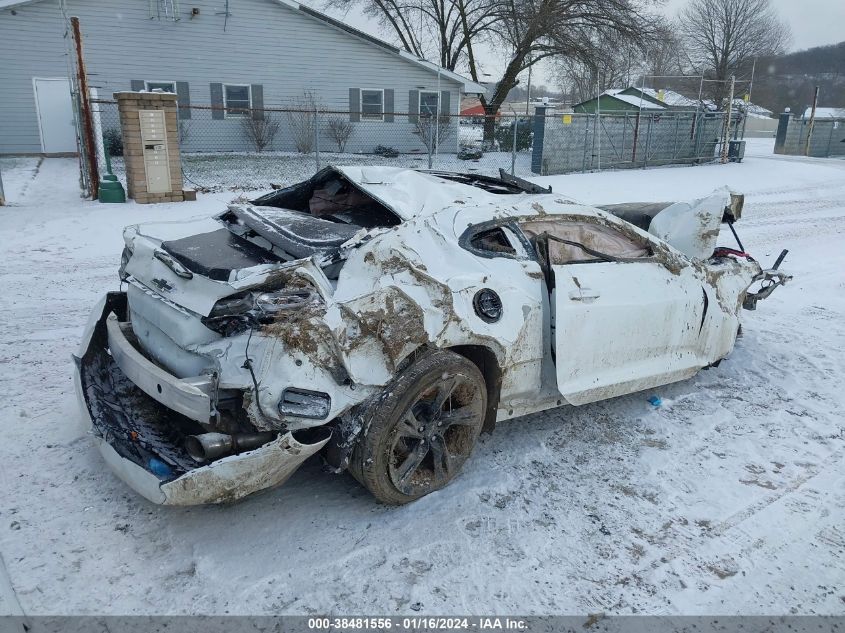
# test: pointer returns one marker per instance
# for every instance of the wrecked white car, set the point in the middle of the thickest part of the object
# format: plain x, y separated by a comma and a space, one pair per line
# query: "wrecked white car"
385, 317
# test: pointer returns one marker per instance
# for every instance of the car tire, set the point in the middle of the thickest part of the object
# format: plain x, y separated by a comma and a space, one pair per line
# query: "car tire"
419, 434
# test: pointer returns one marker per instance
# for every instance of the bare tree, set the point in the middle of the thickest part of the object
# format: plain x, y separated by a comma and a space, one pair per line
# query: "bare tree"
339, 129
301, 115
432, 131
528, 31
610, 62
438, 30
722, 37
260, 132
617, 61
665, 54
538, 29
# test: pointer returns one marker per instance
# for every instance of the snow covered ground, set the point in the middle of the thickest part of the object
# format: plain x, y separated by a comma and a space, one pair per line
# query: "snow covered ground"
730, 498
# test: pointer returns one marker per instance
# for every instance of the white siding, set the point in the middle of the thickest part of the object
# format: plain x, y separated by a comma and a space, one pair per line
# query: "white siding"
265, 43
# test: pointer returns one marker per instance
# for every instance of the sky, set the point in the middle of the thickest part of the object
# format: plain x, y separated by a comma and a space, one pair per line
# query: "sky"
813, 23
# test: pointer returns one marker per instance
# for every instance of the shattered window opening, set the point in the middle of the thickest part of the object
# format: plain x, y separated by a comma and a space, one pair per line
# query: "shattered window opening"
582, 242
329, 196
494, 241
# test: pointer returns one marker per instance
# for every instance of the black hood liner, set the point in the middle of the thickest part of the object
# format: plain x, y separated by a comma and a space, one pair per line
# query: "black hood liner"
216, 254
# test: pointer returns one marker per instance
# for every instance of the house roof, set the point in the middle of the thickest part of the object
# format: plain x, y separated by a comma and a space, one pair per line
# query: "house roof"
670, 97
468, 85
826, 113
473, 110
616, 93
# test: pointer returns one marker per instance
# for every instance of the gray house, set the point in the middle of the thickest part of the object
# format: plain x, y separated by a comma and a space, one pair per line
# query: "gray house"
233, 58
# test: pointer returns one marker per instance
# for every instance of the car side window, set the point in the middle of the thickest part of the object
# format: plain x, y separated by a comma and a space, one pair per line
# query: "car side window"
495, 241
565, 242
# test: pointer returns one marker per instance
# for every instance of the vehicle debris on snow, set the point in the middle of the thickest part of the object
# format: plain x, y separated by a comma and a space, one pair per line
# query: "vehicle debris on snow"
384, 317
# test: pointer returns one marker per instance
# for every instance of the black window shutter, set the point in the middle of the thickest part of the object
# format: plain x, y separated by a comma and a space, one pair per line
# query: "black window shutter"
388, 105
354, 104
413, 106
445, 105
216, 101
257, 91
183, 98
136, 85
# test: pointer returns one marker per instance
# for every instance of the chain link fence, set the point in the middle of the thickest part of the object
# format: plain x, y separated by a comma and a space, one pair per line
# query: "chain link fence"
823, 138
257, 149
570, 142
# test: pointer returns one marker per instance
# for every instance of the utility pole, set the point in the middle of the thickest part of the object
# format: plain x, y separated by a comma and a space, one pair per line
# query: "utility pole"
727, 128
597, 137
812, 121
528, 92
748, 103
85, 105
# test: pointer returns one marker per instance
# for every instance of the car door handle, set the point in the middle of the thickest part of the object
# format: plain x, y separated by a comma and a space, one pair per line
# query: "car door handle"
584, 294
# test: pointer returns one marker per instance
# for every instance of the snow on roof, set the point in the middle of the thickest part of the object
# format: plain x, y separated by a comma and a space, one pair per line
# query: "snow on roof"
753, 110
634, 101
825, 113
670, 97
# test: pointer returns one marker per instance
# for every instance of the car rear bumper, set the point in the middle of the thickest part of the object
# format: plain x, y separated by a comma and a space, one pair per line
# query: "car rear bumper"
139, 415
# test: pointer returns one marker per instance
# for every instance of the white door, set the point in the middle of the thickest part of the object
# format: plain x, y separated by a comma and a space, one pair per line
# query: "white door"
623, 321
55, 115
623, 327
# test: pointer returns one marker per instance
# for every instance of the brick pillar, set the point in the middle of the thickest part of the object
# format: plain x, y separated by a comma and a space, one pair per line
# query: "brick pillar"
133, 108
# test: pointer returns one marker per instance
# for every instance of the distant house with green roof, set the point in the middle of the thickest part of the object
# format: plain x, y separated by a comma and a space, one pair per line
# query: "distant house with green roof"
615, 100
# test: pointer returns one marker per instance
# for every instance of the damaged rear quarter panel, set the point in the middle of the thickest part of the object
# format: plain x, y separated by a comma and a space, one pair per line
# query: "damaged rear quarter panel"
412, 287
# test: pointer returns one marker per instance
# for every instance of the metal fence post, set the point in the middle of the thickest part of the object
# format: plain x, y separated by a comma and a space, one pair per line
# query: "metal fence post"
675, 136
812, 122
430, 141
539, 140
586, 134
624, 133
636, 139
513, 145
89, 145
2, 194
827, 154
317, 137
647, 141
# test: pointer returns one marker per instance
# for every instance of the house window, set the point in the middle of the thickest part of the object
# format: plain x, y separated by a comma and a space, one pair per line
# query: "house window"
372, 105
236, 100
164, 86
429, 103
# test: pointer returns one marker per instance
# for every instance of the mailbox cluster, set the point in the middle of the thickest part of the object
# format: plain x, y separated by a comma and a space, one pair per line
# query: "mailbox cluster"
150, 146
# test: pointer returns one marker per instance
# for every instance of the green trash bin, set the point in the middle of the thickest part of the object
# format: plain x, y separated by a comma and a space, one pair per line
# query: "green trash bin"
110, 189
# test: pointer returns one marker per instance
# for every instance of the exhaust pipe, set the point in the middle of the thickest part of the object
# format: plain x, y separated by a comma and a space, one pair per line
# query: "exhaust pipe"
209, 446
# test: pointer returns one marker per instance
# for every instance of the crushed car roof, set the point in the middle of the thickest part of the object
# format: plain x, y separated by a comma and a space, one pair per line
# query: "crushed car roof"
410, 193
